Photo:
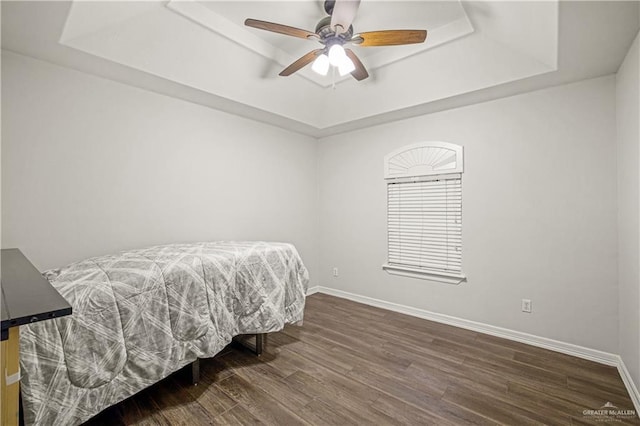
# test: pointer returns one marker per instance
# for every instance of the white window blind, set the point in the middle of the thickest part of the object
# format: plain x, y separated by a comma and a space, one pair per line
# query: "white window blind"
424, 211
425, 224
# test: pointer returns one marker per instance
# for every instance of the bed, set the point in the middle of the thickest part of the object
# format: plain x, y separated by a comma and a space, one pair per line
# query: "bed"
140, 315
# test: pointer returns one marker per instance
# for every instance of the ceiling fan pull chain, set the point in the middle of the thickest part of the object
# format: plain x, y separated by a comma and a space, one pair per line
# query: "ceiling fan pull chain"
333, 78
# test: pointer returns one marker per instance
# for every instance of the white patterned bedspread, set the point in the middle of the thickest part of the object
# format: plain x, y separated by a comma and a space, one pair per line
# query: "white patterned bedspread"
140, 315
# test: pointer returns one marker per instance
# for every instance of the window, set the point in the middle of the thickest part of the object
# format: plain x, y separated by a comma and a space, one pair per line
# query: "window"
424, 211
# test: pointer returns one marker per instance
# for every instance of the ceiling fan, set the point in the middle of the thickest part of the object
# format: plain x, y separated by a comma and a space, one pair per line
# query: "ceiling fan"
334, 32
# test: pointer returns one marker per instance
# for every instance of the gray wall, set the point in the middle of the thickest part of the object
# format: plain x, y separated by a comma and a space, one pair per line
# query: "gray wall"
539, 213
628, 116
91, 166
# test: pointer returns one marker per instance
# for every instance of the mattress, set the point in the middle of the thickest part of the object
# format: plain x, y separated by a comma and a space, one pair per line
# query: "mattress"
140, 315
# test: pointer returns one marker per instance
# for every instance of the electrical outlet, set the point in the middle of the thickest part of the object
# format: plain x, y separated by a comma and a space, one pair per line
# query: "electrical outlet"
526, 305
335, 272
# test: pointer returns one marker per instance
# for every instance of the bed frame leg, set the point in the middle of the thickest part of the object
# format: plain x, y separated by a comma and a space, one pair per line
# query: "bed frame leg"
261, 342
258, 348
195, 372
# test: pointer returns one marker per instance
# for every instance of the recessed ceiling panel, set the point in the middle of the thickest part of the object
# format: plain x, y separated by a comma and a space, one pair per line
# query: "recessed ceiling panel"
444, 20
205, 45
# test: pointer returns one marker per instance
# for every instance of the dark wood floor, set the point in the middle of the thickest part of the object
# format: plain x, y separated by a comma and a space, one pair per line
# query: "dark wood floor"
354, 364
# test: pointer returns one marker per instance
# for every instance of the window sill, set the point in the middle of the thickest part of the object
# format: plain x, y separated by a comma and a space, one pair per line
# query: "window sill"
443, 277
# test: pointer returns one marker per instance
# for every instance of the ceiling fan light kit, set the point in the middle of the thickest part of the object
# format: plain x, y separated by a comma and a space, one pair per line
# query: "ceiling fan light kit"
321, 64
336, 55
338, 58
335, 31
347, 67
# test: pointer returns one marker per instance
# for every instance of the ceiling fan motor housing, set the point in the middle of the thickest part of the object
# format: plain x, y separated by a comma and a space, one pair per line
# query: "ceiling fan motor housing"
328, 36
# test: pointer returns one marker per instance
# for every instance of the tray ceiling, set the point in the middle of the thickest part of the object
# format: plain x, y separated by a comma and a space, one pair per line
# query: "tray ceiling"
203, 49
206, 46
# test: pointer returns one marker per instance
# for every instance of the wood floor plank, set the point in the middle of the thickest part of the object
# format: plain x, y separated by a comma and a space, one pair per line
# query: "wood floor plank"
320, 413
352, 364
348, 306
478, 379
423, 397
320, 350
494, 409
179, 408
604, 374
419, 325
471, 349
516, 371
355, 351
406, 413
458, 415
493, 343
211, 398
342, 404
531, 407
562, 408
268, 378
259, 403
347, 337
374, 329
617, 396
424, 350
354, 391
237, 416
571, 401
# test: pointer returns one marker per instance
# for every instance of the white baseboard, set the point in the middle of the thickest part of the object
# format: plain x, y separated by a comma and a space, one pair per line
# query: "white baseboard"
518, 336
313, 290
630, 385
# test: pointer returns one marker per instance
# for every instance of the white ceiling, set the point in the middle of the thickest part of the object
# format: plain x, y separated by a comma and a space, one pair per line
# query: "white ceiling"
202, 52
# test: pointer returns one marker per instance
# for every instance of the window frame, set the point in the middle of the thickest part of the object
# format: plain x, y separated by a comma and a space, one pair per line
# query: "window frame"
422, 162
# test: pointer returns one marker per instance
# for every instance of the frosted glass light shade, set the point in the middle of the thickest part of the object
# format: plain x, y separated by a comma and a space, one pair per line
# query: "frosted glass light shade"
346, 66
337, 55
321, 64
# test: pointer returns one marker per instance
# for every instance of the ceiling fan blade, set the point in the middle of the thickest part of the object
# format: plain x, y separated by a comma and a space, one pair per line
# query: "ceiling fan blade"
360, 73
279, 28
305, 60
344, 12
390, 37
